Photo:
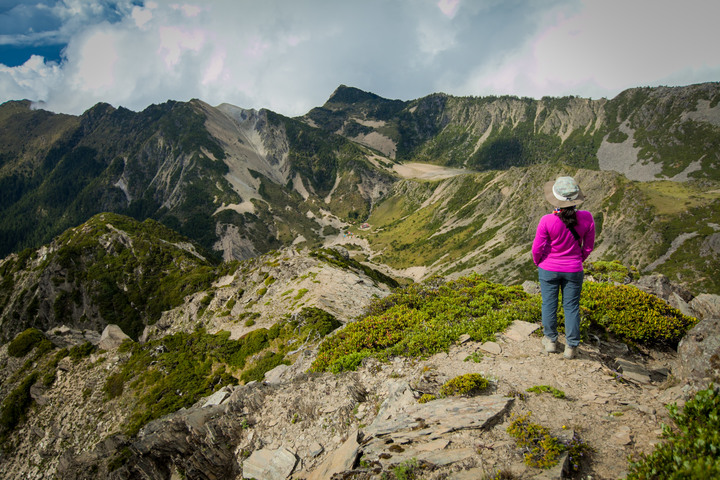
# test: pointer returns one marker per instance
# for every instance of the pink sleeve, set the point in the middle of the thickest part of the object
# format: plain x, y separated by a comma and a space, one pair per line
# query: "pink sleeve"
589, 239
541, 244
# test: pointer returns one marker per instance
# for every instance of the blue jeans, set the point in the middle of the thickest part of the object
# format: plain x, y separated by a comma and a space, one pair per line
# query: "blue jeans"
551, 283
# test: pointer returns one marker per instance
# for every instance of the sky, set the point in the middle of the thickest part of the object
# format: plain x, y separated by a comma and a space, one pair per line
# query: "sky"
290, 55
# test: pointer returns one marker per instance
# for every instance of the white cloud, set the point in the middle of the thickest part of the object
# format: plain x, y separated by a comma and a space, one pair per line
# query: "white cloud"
289, 56
609, 46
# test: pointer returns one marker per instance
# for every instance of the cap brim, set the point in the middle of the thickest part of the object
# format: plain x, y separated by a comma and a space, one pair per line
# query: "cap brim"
550, 197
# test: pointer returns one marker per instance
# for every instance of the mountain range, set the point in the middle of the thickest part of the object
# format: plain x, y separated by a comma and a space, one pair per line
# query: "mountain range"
170, 278
244, 182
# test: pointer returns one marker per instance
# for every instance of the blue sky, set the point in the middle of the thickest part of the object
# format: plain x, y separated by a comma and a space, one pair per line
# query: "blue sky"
289, 55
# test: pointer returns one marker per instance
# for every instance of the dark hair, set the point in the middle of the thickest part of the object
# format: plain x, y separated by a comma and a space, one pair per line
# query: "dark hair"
569, 218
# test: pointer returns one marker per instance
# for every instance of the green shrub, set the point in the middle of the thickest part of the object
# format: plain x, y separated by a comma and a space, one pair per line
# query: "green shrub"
633, 315
423, 319
78, 352
16, 404
543, 450
464, 385
265, 364
315, 321
426, 397
24, 342
114, 386
547, 389
691, 449
613, 271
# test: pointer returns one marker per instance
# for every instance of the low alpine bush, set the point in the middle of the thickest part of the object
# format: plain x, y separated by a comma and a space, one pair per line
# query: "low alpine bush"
464, 385
691, 450
633, 315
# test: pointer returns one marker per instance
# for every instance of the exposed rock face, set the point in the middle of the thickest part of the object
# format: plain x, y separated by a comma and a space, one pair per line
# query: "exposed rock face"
112, 337
698, 361
660, 286
706, 305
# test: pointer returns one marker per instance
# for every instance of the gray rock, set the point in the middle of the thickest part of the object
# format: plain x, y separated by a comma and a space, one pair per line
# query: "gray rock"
491, 347
342, 251
676, 301
520, 330
633, 371
698, 360
531, 288
315, 449
217, 398
442, 416
706, 305
338, 461
112, 337
660, 286
277, 374
269, 464
65, 337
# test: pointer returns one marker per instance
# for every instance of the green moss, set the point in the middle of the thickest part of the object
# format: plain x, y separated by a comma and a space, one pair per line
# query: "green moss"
427, 397
542, 449
613, 271
464, 385
547, 389
78, 352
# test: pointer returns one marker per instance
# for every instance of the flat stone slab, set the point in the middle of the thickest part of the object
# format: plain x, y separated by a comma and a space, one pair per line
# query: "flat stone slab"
269, 464
633, 371
443, 416
216, 398
491, 347
338, 461
520, 330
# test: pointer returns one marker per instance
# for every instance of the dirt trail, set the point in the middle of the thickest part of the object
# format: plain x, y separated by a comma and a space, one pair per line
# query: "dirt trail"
616, 417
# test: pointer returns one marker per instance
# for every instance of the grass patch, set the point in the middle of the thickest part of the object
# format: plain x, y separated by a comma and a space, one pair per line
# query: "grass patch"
670, 198
547, 389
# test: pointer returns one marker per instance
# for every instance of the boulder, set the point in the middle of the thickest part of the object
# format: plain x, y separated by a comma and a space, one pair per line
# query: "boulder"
660, 286
340, 460
270, 464
531, 288
65, 337
698, 360
706, 305
112, 337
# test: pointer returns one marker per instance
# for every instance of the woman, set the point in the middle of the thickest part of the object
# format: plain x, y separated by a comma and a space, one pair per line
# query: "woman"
563, 240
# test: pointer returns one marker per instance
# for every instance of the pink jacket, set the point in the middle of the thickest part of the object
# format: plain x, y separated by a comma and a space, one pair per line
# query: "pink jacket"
555, 248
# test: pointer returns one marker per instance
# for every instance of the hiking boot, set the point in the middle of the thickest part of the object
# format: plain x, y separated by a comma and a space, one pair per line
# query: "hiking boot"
550, 346
570, 352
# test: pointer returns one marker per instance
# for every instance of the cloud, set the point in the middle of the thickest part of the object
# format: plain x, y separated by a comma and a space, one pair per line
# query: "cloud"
289, 56
609, 46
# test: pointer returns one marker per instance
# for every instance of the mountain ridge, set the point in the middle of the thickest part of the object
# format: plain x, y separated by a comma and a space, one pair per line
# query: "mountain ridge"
244, 182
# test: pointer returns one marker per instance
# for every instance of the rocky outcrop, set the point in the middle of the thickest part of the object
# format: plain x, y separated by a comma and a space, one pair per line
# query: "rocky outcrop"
698, 361
112, 337
706, 305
